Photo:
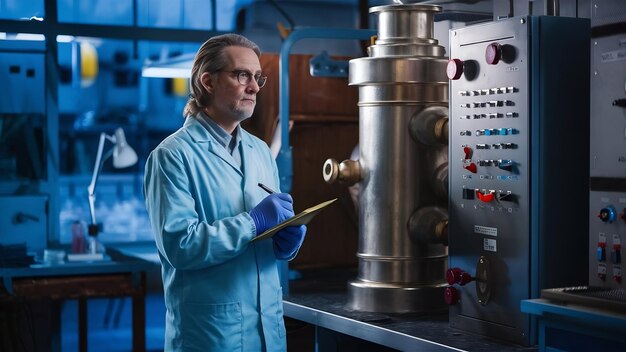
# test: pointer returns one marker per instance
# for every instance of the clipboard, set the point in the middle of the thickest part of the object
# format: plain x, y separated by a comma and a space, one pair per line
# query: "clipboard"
302, 218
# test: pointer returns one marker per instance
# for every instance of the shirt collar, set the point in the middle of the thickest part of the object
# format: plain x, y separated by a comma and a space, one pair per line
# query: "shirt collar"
217, 132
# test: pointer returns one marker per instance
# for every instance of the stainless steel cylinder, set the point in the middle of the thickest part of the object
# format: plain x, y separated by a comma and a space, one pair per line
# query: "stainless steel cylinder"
404, 74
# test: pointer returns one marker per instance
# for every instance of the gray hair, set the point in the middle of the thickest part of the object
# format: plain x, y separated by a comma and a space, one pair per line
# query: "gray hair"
210, 58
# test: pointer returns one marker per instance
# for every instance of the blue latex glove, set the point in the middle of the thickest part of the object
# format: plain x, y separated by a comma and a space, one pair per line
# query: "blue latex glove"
271, 211
288, 240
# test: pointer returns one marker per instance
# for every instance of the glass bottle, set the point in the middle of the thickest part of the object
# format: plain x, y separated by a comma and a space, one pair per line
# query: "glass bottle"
78, 237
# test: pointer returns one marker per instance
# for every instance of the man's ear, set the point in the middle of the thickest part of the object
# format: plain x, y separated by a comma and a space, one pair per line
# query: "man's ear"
207, 81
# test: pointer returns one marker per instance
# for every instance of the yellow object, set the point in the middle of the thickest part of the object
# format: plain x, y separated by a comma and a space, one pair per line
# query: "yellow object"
88, 64
180, 86
373, 39
284, 32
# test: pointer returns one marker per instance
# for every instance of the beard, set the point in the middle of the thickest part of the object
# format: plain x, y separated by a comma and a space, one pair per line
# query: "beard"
242, 111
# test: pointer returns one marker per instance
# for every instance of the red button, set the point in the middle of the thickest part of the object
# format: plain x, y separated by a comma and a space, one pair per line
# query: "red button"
454, 70
493, 53
458, 276
451, 295
453, 275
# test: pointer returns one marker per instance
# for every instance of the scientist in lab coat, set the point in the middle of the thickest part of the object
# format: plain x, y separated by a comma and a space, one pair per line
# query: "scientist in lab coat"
222, 293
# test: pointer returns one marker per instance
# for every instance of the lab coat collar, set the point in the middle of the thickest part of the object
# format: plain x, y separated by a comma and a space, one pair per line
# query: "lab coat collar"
199, 134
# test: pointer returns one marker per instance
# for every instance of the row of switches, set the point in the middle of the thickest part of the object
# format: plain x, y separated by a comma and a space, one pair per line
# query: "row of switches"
501, 90
487, 196
616, 256
496, 131
492, 115
485, 104
497, 146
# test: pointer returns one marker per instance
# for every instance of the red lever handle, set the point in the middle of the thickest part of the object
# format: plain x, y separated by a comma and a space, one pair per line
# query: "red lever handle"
458, 276
468, 152
471, 167
485, 197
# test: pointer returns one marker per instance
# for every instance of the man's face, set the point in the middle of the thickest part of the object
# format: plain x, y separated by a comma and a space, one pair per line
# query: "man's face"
233, 102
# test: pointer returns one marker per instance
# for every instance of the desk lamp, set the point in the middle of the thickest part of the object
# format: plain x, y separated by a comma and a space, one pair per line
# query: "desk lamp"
123, 156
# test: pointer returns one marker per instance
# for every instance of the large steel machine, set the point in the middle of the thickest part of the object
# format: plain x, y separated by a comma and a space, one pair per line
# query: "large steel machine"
401, 172
519, 145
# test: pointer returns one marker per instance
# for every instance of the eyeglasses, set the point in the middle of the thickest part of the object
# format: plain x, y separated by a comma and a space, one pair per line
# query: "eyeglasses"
245, 77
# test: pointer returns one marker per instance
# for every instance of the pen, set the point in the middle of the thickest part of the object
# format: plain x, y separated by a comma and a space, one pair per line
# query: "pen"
266, 189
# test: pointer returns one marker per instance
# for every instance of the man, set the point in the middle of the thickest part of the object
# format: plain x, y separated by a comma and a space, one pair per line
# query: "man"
222, 293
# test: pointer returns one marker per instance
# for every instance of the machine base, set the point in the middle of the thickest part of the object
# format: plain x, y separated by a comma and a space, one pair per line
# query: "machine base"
395, 298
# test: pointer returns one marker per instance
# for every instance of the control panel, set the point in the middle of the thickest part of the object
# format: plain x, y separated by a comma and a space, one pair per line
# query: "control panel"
607, 231
607, 196
518, 181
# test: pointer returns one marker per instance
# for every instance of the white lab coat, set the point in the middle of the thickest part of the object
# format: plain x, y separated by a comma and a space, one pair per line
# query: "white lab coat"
221, 292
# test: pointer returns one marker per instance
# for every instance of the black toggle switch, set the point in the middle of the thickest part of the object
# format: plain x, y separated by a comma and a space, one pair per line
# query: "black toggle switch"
620, 102
616, 255
507, 197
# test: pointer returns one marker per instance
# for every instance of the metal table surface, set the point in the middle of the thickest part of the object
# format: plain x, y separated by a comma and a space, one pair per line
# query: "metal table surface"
570, 326
320, 298
116, 263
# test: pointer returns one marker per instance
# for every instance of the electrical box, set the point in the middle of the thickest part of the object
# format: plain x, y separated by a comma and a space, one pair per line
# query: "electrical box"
22, 69
519, 122
607, 196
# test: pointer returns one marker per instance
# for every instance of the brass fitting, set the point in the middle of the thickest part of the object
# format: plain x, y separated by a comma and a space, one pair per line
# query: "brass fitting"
348, 172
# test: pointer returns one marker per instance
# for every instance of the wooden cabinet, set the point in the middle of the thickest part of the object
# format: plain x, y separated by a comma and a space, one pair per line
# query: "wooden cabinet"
325, 120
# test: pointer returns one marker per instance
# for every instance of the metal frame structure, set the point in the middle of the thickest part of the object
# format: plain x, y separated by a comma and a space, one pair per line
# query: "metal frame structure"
284, 160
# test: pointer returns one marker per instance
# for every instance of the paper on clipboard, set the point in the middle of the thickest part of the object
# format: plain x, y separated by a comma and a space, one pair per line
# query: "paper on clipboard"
302, 218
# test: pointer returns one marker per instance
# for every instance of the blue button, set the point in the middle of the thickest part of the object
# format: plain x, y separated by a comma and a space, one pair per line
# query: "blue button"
600, 254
